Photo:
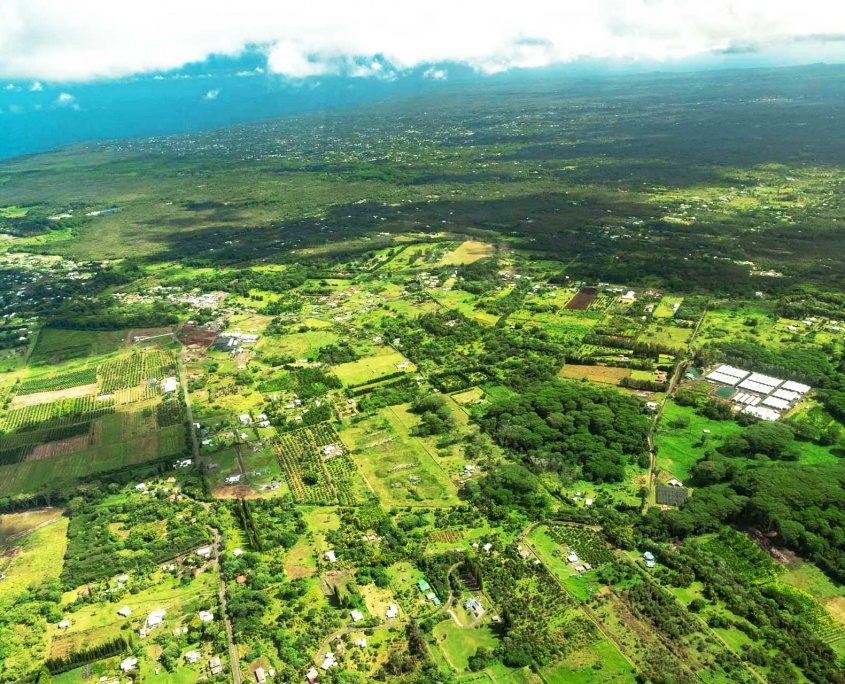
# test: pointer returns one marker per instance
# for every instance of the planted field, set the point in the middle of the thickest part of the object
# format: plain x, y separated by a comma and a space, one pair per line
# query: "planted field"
346, 480
60, 381
119, 373
587, 543
56, 414
582, 300
300, 456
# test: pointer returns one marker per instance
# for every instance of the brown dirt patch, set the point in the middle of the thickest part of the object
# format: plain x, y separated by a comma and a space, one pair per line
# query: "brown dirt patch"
582, 300
16, 525
55, 395
601, 374
190, 335
65, 446
836, 606
234, 492
296, 571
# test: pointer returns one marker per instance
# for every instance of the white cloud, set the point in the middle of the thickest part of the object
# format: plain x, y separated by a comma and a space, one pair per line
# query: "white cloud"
36, 87
212, 94
436, 74
57, 40
66, 100
255, 72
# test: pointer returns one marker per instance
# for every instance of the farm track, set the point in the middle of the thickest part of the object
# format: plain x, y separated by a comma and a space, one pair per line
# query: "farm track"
673, 386
233, 649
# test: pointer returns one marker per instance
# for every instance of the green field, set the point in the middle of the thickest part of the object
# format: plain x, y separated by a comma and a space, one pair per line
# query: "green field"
383, 362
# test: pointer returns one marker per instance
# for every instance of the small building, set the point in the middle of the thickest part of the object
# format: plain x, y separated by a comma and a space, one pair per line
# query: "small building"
487, 547
260, 675
64, 624
240, 579
648, 555
123, 578
192, 657
472, 604
245, 419
233, 479
356, 616
237, 552
206, 616
328, 661
588, 502
675, 483
424, 586
215, 666
128, 664
649, 563
204, 551
525, 554
392, 611
330, 557
361, 643
312, 675
170, 385
126, 611
155, 618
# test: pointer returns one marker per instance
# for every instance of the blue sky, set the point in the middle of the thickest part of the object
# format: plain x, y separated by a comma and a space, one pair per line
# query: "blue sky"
99, 69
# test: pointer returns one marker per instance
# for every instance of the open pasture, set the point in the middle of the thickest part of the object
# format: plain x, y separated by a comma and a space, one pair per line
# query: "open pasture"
600, 374
384, 361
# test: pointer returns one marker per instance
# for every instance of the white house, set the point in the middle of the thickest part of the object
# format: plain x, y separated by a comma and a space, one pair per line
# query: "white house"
206, 616
392, 611
170, 385
356, 615
126, 611
330, 556
64, 624
205, 552
128, 664
192, 656
155, 618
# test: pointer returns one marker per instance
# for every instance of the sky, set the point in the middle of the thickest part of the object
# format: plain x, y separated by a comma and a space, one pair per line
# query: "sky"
81, 69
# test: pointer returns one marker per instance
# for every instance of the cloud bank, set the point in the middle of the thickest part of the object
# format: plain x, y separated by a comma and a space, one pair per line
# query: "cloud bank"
64, 40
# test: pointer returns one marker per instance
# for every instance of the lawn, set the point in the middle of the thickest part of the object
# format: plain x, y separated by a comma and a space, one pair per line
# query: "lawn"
459, 643
15, 525
384, 361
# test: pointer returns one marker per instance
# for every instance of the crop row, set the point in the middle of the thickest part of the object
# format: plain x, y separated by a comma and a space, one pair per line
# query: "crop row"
303, 468
56, 414
343, 472
132, 370
169, 413
53, 383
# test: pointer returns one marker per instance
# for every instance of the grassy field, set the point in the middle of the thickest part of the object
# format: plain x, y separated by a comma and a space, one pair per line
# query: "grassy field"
665, 309
16, 525
383, 362
679, 448
599, 374
600, 663
58, 346
397, 465
468, 252
459, 643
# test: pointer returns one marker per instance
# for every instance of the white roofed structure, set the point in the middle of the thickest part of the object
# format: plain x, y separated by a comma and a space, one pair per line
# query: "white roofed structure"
796, 387
733, 372
776, 403
765, 380
786, 395
764, 413
753, 386
722, 379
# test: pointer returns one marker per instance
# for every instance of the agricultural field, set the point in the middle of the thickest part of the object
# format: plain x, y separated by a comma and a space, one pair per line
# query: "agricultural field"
405, 389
